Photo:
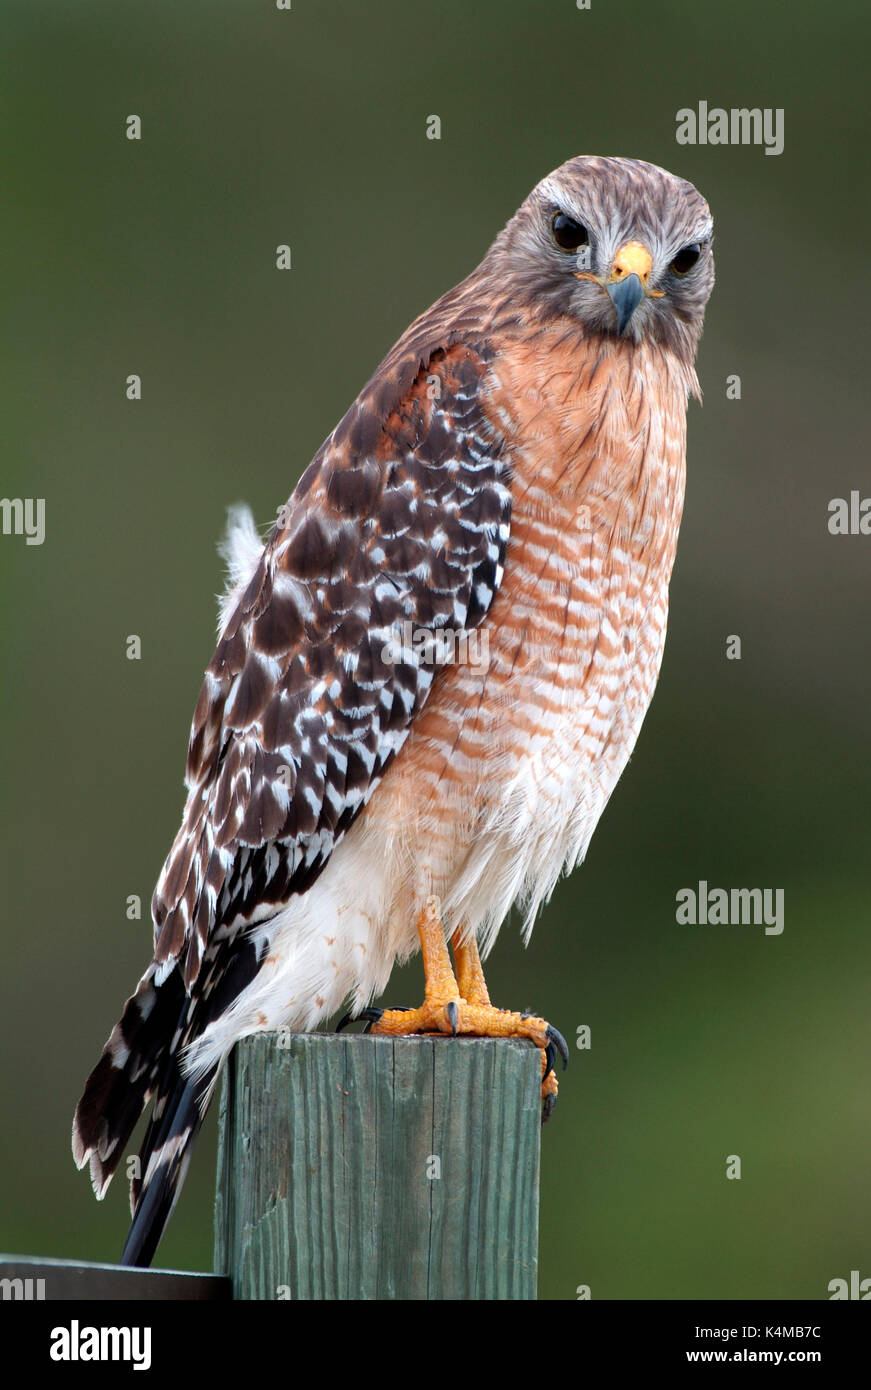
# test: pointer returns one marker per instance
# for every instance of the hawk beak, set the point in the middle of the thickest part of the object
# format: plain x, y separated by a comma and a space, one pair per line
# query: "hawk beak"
626, 295
627, 283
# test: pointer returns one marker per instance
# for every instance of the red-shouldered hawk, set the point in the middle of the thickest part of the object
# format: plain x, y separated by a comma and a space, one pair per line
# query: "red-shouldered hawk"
513, 473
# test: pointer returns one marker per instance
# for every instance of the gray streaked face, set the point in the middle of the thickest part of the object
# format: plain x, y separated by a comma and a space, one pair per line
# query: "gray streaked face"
620, 245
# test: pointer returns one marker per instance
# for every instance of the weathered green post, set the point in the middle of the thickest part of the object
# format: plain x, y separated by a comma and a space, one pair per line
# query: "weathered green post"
360, 1167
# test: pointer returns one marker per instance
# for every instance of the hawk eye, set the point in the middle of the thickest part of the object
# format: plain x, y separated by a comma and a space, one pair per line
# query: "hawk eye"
686, 259
568, 234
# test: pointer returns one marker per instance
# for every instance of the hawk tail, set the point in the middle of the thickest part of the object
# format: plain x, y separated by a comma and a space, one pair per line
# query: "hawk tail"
164, 1158
144, 1059
126, 1076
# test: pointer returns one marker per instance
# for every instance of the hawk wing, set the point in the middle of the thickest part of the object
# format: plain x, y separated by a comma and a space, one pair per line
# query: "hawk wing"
401, 519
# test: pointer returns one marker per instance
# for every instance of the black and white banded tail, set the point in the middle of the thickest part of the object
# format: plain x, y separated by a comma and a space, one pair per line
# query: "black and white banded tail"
143, 1060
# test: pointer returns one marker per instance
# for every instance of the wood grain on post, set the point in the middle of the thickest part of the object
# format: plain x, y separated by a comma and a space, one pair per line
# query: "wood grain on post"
359, 1167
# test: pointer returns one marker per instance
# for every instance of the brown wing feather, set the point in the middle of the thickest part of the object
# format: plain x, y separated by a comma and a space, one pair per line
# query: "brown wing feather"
402, 517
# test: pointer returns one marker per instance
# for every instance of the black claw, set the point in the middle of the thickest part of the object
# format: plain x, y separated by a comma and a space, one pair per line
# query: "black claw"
453, 1014
550, 1055
559, 1042
372, 1015
547, 1108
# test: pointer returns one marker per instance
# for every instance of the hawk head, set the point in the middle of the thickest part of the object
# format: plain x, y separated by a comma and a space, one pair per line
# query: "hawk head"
619, 245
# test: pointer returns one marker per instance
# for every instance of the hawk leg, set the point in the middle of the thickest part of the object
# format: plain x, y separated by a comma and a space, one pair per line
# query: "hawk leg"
460, 1003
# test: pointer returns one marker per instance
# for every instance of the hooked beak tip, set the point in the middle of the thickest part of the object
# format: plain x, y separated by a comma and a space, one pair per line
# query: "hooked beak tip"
626, 295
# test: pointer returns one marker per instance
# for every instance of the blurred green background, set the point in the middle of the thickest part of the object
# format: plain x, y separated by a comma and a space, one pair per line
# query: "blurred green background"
262, 127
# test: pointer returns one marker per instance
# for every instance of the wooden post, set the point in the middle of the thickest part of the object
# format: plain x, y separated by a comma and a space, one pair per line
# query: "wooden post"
359, 1167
